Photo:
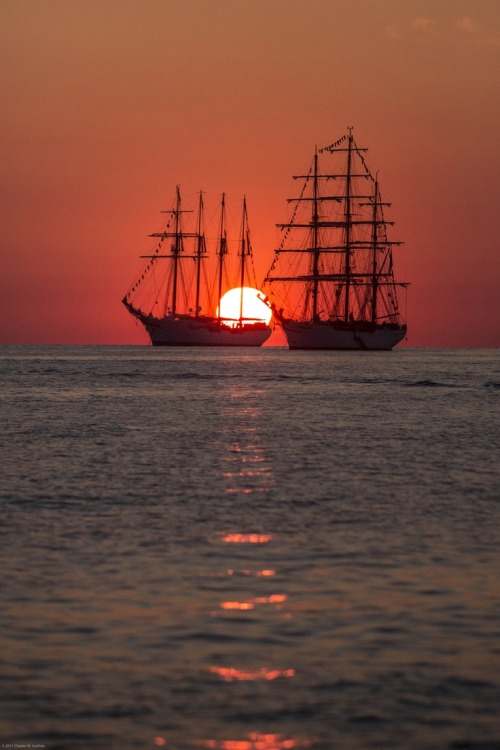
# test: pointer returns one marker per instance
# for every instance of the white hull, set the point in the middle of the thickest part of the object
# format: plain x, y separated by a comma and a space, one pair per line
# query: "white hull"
327, 335
190, 331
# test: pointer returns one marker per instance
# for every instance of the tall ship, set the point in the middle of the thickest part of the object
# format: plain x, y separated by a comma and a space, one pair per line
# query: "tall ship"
177, 295
331, 284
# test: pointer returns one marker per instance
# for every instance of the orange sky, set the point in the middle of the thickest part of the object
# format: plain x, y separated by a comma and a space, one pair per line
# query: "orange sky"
108, 104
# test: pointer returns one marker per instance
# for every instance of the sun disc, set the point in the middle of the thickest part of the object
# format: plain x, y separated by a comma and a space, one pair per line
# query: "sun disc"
253, 310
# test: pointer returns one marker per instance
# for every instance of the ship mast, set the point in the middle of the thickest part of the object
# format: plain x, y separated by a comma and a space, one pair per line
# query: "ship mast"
374, 251
315, 237
348, 218
377, 244
244, 249
200, 251
222, 248
176, 250
177, 247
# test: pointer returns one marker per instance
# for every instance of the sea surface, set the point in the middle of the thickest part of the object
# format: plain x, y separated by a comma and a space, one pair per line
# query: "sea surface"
249, 549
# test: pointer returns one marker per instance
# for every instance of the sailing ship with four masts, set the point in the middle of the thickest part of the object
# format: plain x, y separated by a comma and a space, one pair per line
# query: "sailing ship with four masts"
331, 283
177, 296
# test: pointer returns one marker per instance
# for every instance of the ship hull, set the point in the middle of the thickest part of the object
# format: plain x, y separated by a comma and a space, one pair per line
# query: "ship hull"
331, 335
190, 331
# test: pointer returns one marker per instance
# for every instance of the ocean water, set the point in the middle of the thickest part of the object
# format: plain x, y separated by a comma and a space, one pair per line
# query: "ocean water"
249, 550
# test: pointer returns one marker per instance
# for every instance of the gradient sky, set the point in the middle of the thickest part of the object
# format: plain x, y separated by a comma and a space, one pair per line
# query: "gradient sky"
108, 104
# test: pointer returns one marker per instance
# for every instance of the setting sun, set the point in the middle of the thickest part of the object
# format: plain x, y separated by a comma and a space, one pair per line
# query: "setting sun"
252, 310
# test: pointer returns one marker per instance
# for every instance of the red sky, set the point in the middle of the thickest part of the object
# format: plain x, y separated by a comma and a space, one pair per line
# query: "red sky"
108, 104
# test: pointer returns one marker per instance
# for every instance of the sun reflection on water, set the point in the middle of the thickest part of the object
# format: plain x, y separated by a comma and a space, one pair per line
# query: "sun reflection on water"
272, 599
247, 538
246, 465
266, 573
258, 741
237, 605
247, 470
231, 674
276, 599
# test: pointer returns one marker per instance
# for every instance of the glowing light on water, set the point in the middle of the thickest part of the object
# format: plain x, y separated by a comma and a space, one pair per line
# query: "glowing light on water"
231, 674
258, 741
273, 599
277, 599
258, 573
237, 605
247, 538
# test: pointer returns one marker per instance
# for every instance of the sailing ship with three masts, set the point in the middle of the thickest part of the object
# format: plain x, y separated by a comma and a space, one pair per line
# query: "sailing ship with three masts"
177, 296
331, 284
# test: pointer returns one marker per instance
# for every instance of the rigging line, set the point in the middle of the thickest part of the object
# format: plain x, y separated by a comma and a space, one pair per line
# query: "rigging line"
157, 287
285, 236
252, 265
136, 283
363, 162
254, 276
206, 298
333, 145
184, 282
250, 255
